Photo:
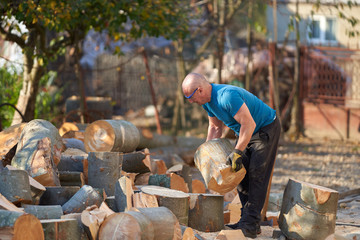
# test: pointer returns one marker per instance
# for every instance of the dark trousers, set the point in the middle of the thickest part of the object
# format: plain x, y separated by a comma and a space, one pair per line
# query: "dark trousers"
261, 154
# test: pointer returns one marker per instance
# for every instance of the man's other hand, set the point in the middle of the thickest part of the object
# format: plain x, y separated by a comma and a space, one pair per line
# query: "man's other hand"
235, 160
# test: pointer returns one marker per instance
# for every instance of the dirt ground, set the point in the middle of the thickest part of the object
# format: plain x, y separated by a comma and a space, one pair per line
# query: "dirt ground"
328, 163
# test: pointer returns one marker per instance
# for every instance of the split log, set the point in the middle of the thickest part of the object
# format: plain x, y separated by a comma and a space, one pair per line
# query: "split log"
9, 137
111, 136
38, 152
61, 229
143, 200
72, 160
134, 163
210, 159
86, 196
77, 217
308, 211
123, 194
7, 205
178, 183
142, 178
206, 212
18, 226
44, 212
74, 143
230, 235
92, 217
74, 134
104, 169
160, 180
176, 201
37, 189
70, 126
187, 233
71, 178
15, 186
158, 166
111, 203
58, 195
166, 225
128, 225
198, 186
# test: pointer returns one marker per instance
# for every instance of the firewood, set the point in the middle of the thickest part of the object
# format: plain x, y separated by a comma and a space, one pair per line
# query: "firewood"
18, 226
15, 186
230, 235
308, 211
142, 179
72, 160
71, 178
77, 217
9, 137
178, 183
160, 180
123, 194
69, 126
61, 229
186, 174
188, 233
74, 134
86, 196
111, 136
154, 140
7, 205
206, 212
104, 170
58, 195
198, 186
111, 203
44, 212
210, 159
74, 143
143, 200
134, 163
176, 201
158, 167
37, 189
38, 151
92, 217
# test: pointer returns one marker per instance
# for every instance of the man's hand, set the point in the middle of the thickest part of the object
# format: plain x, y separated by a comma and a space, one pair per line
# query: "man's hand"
235, 160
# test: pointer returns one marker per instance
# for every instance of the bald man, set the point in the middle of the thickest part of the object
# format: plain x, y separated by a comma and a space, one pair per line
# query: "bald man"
257, 130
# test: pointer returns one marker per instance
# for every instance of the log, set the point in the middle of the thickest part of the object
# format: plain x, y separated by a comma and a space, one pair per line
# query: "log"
166, 225
158, 166
128, 225
86, 196
160, 180
71, 178
74, 134
154, 140
58, 195
111, 203
308, 211
18, 226
178, 183
134, 163
37, 189
123, 194
74, 143
72, 160
187, 233
44, 212
70, 126
104, 169
142, 200
77, 217
206, 212
38, 151
9, 137
210, 159
7, 205
111, 136
61, 229
198, 186
142, 178
92, 217
15, 186
176, 201
230, 234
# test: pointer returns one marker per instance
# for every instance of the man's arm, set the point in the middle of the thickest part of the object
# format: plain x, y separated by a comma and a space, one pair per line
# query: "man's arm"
215, 128
247, 128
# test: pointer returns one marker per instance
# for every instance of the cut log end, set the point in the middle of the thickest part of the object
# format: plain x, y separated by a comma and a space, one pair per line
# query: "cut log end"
228, 181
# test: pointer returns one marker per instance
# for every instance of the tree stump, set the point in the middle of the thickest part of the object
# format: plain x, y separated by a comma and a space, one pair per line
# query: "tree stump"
19, 226
104, 169
308, 211
58, 195
86, 196
38, 152
111, 136
210, 159
15, 186
176, 201
44, 212
61, 229
206, 212
166, 225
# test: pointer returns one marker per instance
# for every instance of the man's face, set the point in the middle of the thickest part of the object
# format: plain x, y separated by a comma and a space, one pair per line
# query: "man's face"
195, 96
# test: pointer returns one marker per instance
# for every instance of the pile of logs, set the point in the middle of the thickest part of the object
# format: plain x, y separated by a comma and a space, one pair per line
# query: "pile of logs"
105, 180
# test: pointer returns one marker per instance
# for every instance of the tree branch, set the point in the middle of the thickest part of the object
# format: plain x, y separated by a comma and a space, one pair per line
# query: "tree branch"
8, 36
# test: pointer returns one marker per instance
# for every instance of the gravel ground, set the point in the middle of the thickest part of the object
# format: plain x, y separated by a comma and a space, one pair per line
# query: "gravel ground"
323, 162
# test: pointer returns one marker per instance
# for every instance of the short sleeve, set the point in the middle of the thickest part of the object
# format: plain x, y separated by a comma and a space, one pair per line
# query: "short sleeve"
231, 101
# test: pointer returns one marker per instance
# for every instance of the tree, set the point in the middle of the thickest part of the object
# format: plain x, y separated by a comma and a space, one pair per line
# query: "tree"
71, 20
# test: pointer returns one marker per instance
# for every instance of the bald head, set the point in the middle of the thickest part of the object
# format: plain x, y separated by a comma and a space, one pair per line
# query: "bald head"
195, 81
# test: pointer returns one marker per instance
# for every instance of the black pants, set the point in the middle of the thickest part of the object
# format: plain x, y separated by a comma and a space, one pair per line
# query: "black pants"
261, 154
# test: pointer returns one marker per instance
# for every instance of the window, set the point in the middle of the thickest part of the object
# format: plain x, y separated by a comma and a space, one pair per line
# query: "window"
322, 30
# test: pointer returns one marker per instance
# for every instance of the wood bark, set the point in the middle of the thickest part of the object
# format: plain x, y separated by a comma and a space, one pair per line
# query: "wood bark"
123, 194
86, 196
166, 225
104, 169
72, 160
58, 195
111, 136
176, 201
206, 212
92, 217
308, 211
15, 186
210, 159
44, 212
61, 229
128, 225
77, 217
134, 163
74, 143
111, 202
18, 226
38, 151
9, 137
71, 178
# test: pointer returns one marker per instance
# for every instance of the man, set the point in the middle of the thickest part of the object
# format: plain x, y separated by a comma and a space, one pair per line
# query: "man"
257, 130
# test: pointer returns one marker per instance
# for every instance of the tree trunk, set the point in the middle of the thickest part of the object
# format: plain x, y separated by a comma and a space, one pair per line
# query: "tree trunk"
44, 212
58, 195
111, 136
15, 186
18, 226
308, 211
210, 159
61, 229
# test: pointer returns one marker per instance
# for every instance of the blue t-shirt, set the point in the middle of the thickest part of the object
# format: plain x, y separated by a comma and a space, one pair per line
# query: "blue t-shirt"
226, 101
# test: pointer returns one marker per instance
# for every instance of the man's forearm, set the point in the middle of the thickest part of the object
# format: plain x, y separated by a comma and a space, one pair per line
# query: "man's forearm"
214, 133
